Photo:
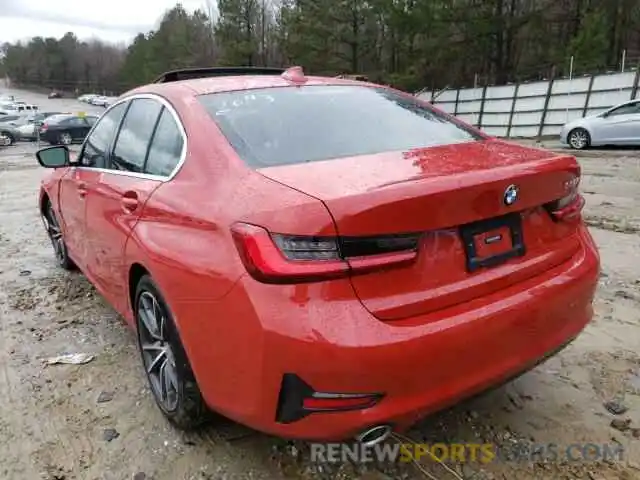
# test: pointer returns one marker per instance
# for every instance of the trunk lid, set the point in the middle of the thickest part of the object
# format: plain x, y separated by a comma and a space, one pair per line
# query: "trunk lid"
444, 193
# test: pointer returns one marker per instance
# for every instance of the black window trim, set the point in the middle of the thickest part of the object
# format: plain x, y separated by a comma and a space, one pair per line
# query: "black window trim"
152, 138
176, 118
107, 168
117, 136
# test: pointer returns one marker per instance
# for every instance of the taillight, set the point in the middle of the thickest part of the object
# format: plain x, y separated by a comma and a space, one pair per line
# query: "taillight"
569, 207
278, 258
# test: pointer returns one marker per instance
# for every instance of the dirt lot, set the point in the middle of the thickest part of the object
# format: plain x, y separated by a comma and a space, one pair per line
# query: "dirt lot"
55, 423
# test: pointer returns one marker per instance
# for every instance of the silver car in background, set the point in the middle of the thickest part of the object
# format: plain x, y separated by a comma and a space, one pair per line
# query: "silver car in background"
9, 133
29, 129
619, 125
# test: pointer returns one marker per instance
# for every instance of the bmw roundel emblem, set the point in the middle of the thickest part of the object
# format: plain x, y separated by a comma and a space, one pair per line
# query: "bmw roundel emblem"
510, 195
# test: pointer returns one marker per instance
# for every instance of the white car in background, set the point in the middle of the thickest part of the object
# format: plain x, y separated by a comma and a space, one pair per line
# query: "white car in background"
108, 101
8, 108
620, 125
99, 101
18, 108
86, 98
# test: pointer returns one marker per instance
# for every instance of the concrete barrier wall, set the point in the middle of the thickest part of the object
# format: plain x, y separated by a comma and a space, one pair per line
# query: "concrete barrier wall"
536, 108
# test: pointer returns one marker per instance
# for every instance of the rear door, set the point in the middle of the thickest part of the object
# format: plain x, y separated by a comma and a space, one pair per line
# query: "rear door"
76, 127
74, 185
83, 127
620, 126
117, 195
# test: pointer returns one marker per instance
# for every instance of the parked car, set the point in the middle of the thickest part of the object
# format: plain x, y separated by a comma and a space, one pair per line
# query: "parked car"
86, 97
8, 108
18, 108
9, 118
108, 101
40, 117
99, 100
27, 109
29, 131
312, 271
66, 129
619, 125
9, 134
55, 95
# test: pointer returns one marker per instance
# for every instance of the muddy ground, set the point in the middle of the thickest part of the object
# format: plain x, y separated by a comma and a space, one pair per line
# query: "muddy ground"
55, 424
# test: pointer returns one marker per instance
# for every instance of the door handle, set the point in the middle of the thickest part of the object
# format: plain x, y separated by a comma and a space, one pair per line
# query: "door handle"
129, 201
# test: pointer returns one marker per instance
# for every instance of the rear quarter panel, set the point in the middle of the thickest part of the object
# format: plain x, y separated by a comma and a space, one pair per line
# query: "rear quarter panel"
183, 237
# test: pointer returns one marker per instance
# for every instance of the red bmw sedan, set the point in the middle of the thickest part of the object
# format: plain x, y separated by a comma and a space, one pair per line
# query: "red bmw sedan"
319, 258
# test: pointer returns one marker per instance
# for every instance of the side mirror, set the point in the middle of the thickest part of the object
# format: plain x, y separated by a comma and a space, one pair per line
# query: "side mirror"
53, 157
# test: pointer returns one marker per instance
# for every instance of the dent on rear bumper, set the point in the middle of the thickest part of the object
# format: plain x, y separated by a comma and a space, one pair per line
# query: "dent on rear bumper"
321, 333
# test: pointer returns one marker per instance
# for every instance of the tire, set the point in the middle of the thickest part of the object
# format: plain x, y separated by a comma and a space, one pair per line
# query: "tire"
579, 139
54, 233
65, 138
11, 138
165, 362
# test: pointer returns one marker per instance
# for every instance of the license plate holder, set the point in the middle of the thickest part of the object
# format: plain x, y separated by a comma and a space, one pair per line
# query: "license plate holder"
488, 243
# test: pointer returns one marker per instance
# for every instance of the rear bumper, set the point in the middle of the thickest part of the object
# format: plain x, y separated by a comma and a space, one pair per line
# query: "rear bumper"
421, 365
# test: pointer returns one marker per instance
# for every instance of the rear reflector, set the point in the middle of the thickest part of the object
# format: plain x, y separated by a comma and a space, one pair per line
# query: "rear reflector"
298, 399
278, 258
338, 402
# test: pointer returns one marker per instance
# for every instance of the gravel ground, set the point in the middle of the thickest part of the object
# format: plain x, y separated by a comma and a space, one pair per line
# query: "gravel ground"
98, 421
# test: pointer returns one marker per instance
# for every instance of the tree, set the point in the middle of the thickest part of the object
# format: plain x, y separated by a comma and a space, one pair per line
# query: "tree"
406, 43
237, 30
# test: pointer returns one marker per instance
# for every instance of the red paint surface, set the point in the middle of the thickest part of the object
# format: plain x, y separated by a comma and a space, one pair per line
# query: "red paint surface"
426, 333
493, 242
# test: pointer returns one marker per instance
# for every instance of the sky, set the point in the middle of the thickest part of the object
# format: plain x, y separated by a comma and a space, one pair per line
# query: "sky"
114, 21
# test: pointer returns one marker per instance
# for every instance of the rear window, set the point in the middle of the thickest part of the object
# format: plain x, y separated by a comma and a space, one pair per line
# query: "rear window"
288, 125
54, 119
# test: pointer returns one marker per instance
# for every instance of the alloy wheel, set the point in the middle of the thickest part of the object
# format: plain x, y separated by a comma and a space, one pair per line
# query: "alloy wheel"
157, 354
578, 139
6, 139
65, 138
55, 234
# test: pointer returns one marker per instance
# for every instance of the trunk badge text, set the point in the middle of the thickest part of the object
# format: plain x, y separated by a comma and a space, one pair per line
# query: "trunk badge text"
510, 195
493, 239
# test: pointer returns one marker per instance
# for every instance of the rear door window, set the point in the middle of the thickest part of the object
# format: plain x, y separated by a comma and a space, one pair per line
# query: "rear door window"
130, 151
166, 147
73, 122
287, 125
628, 109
